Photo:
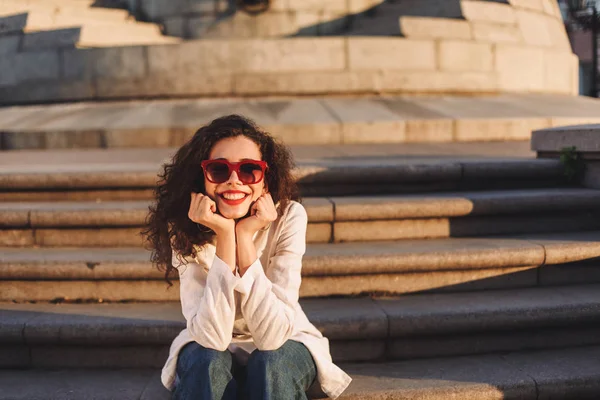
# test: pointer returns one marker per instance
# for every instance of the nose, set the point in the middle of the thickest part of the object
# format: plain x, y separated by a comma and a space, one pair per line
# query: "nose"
233, 179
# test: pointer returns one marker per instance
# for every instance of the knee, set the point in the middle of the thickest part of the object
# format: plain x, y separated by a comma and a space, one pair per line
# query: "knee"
206, 361
267, 361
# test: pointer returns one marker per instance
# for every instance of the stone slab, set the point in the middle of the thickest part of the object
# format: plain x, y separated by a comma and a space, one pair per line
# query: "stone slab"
479, 378
54, 385
582, 137
54, 39
302, 120
13, 23
481, 312
434, 28
415, 282
494, 342
556, 373
561, 373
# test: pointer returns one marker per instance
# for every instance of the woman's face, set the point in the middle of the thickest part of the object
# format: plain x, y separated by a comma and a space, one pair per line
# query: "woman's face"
239, 196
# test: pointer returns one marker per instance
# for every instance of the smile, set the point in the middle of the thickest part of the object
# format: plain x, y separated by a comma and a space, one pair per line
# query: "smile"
233, 198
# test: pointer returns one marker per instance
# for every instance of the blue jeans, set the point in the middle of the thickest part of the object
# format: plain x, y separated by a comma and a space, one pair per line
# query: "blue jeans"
207, 374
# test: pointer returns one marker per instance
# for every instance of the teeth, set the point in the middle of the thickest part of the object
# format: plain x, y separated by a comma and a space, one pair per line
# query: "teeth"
233, 196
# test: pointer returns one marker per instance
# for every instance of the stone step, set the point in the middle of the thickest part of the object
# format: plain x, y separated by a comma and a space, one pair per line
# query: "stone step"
532, 375
410, 266
307, 120
360, 329
79, 9
331, 219
104, 175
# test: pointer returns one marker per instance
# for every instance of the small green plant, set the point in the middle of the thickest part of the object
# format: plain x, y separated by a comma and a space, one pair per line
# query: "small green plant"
573, 164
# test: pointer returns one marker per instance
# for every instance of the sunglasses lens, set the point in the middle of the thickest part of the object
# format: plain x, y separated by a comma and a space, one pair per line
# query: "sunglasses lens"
217, 172
250, 172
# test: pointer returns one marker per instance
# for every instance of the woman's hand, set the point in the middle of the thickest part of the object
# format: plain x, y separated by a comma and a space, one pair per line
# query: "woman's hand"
203, 210
262, 213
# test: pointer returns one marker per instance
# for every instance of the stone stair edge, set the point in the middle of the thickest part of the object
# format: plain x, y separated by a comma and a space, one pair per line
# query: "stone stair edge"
386, 119
319, 209
317, 173
522, 375
320, 260
338, 319
515, 375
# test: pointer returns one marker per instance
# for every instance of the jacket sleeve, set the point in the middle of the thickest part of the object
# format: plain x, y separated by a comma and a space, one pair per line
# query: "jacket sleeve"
269, 301
207, 298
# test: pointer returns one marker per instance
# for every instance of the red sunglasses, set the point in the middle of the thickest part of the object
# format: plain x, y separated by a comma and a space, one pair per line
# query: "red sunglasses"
249, 172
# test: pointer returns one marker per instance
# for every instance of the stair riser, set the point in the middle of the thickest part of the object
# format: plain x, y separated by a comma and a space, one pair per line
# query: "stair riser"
154, 356
312, 286
351, 231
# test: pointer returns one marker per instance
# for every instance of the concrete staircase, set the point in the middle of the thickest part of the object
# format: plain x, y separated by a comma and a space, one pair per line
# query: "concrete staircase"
52, 24
448, 276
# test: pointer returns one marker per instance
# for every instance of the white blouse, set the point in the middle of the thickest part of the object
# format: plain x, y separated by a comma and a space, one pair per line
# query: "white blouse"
257, 311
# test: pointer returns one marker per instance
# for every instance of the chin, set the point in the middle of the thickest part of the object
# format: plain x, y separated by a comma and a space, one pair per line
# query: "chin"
234, 213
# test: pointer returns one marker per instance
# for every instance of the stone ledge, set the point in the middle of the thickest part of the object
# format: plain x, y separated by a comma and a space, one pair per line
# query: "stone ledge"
319, 209
321, 260
552, 373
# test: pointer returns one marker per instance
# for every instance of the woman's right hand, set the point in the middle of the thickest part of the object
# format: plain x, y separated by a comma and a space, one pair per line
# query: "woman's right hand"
203, 210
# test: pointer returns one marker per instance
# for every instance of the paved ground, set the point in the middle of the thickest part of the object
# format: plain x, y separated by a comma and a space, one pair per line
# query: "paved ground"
417, 119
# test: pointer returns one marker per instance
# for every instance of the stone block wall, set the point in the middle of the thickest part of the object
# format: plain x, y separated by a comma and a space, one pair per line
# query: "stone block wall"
479, 55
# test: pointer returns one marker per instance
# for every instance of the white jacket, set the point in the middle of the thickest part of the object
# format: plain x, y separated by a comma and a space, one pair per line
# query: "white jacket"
259, 310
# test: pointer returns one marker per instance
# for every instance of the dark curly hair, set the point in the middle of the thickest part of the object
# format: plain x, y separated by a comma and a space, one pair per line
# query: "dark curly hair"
168, 226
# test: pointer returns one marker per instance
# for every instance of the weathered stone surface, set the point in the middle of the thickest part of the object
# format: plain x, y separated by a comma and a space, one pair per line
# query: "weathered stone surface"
500, 341
13, 23
300, 54
319, 233
482, 377
58, 38
15, 218
419, 255
35, 66
496, 33
560, 69
106, 237
517, 309
397, 284
318, 209
567, 246
582, 137
14, 356
307, 83
9, 45
465, 56
561, 373
107, 290
120, 62
488, 11
104, 384
347, 319
391, 230
16, 237
98, 357
391, 54
515, 128
520, 68
439, 82
535, 28
434, 28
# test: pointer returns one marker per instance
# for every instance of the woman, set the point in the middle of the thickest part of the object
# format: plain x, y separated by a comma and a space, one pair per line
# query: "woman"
227, 219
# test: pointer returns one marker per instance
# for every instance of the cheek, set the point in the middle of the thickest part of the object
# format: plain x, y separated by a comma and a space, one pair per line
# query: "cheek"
257, 191
210, 188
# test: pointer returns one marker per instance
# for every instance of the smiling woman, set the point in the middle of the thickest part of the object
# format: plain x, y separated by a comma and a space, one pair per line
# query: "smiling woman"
227, 219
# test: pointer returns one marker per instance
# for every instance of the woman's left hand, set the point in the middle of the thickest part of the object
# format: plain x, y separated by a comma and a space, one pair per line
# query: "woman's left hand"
262, 213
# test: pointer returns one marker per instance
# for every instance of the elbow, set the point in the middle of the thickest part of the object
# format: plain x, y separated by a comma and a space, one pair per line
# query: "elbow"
274, 339
209, 339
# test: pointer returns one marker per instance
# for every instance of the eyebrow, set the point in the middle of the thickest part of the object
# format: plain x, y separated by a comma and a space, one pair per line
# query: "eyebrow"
243, 159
